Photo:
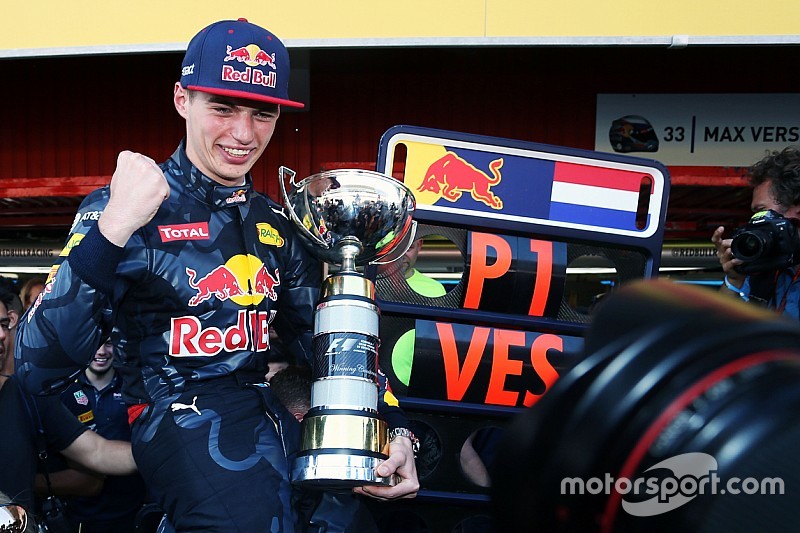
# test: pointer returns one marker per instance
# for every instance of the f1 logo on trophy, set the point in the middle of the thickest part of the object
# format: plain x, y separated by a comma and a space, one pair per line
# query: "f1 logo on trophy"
348, 218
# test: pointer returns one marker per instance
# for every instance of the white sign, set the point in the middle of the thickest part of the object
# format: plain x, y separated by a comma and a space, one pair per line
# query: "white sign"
697, 129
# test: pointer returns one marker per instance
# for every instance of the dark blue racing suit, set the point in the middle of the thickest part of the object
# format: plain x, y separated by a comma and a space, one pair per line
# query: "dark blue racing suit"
191, 297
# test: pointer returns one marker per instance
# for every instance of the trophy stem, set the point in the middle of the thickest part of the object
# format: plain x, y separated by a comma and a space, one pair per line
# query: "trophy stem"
349, 250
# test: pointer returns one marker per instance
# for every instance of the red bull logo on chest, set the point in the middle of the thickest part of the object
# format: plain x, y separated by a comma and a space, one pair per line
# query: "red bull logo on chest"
243, 279
188, 338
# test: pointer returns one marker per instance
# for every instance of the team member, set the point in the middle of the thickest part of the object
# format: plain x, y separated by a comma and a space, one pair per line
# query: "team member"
30, 424
194, 266
95, 398
30, 291
404, 269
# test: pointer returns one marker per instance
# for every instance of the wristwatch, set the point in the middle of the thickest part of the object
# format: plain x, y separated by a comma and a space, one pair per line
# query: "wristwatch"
405, 432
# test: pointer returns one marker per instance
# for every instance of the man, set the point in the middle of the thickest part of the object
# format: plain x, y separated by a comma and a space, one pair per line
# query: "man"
194, 266
396, 272
28, 424
322, 511
292, 386
776, 186
30, 291
15, 311
95, 398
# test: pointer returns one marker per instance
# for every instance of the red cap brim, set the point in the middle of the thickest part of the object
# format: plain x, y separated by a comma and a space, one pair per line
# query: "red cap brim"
246, 95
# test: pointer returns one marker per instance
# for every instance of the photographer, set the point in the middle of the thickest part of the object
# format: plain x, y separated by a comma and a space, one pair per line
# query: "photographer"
766, 269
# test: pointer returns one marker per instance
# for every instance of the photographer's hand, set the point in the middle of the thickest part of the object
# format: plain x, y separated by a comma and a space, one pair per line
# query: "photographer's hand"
726, 259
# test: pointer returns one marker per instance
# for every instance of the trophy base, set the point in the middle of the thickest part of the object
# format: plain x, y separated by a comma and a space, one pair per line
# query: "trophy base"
337, 471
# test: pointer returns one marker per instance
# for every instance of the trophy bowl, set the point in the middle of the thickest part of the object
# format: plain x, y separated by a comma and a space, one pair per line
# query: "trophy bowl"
346, 207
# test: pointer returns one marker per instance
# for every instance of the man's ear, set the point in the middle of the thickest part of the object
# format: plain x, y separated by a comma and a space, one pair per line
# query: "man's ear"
180, 98
13, 319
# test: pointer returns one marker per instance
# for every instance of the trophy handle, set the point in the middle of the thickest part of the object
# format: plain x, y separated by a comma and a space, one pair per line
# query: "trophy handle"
413, 234
282, 173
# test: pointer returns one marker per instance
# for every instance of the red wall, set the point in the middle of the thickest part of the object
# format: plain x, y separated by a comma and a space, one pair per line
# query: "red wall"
70, 116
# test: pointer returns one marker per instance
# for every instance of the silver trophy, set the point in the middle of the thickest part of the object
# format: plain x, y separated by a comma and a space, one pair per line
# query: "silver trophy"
348, 218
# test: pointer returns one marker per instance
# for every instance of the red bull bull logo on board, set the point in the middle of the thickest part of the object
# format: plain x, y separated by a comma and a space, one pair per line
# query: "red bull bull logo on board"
451, 176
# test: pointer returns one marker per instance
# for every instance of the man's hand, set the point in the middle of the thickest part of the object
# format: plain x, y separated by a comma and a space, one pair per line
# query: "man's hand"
400, 462
726, 258
138, 188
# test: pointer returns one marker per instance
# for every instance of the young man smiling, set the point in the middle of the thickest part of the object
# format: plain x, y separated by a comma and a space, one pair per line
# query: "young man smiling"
95, 398
193, 267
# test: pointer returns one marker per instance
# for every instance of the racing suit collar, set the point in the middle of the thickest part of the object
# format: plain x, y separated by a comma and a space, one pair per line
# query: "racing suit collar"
207, 190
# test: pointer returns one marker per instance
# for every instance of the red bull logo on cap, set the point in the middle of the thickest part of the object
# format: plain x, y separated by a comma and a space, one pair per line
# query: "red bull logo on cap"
451, 176
243, 279
251, 55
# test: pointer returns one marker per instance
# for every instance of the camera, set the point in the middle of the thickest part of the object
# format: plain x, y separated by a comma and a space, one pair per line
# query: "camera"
769, 241
654, 427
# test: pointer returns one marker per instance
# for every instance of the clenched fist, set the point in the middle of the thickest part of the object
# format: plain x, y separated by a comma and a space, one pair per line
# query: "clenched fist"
138, 188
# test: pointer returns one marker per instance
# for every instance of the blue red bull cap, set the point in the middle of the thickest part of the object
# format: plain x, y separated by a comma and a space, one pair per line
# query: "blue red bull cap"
238, 59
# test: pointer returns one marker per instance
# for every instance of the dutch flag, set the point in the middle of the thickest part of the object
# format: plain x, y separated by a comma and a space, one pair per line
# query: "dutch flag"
593, 196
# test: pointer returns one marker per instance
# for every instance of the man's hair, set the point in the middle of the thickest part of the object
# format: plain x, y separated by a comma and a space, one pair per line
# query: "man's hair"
292, 386
15, 304
24, 292
782, 171
7, 298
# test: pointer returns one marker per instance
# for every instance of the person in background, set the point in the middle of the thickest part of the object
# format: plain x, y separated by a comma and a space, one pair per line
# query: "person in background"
405, 266
320, 511
292, 386
404, 269
31, 423
776, 185
30, 291
193, 266
15, 311
95, 398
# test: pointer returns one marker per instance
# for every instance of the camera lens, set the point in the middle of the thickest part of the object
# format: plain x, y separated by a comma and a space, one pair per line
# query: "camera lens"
681, 390
750, 245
